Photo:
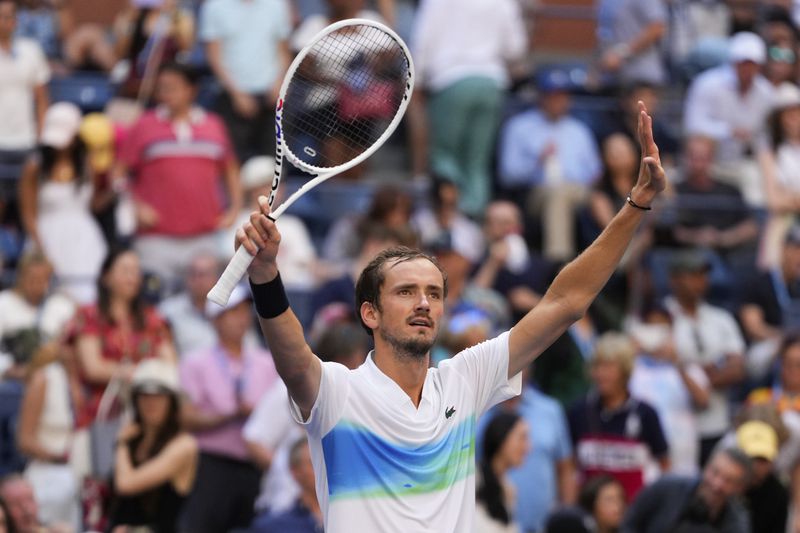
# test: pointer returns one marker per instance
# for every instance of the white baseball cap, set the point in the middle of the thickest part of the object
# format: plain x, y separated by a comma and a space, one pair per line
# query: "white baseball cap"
154, 376
240, 294
747, 46
786, 95
61, 124
257, 172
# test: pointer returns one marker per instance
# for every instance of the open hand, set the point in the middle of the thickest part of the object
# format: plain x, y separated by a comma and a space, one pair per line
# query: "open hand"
652, 178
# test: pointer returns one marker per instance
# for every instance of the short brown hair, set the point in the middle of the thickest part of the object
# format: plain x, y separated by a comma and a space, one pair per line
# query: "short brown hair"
368, 286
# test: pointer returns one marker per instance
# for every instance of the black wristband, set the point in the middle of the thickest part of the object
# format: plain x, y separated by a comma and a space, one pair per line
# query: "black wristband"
637, 206
270, 298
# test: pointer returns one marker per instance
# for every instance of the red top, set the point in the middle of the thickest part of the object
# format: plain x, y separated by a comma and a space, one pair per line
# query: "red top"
178, 169
116, 344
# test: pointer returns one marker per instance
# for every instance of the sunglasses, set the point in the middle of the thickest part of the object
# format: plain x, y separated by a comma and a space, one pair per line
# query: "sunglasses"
782, 55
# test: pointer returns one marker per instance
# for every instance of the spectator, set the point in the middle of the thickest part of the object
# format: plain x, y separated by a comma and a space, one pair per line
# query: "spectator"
675, 388
443, 223
23, 509
45, 434
603, 498
24, 75
155, 460
546, 478
629, 34
765, 496
770, 306
463, 80
271, 431
729, 104
505, 445
116, 333
30, 307
223, 385
235, 31
554, 156
708, 336
612, 432
305, 516
56, 192
6, 525
179, 158
689, 504
149, 34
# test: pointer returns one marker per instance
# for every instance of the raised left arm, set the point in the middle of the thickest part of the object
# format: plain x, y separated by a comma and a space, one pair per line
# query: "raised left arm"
577, 285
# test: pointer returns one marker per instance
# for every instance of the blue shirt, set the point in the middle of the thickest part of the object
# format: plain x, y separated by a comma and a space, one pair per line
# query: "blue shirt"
249, 32
296, 520
526, 135
536, 480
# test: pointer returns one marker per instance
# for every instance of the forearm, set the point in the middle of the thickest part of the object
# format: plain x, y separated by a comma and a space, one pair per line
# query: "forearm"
698, 394
648, 37
567, 482
739, 234
195, 419
730, 372
487, 273
42, 103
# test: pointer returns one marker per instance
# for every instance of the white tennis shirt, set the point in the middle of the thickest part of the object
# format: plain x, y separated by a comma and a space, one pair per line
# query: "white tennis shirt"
383, 465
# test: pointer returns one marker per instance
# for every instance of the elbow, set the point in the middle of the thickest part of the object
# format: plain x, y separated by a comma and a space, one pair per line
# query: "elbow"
701, 402
123, 486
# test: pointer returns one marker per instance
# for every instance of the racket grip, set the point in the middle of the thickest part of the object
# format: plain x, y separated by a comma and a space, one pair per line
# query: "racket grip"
234, 272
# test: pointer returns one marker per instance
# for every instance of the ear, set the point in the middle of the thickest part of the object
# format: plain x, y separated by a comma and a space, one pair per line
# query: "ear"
369, 315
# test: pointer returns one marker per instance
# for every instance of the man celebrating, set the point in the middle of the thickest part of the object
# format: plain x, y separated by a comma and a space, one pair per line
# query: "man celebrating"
393, 442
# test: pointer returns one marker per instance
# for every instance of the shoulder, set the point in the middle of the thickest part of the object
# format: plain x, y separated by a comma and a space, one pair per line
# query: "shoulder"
645, 410
182, 447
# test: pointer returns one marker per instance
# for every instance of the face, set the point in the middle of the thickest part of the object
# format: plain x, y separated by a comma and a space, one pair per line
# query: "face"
411, 307
699, 156
174, 91
21, 503
555, 104
448, 196
619, 155
746, 71
761, 469
8, 19
202, 276
233, 324
153, 408
790, 122
647, 95
722, 478
791, 261
34, 282
517, 444
608, 377
690, 286
124, 278
502, 219
790, 368
609, 506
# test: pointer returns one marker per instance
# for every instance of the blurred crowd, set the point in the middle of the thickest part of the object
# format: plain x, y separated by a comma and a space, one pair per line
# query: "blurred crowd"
130, 404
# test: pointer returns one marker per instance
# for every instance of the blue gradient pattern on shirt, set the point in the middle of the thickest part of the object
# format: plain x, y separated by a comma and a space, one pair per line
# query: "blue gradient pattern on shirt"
361, 464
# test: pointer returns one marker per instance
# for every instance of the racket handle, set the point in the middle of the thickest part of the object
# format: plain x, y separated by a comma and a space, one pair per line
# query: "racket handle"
234, 272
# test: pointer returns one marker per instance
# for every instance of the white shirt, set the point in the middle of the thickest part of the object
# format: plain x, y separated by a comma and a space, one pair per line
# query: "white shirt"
707, 338
788, 162
457, 39
384, 465
271, 425
466, 236
715, 108
314, 24
21, 70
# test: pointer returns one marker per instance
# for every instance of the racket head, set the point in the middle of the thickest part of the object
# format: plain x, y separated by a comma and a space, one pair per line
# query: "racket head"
363, 58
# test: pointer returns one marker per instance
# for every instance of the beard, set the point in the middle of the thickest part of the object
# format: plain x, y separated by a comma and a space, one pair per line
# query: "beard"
409, 348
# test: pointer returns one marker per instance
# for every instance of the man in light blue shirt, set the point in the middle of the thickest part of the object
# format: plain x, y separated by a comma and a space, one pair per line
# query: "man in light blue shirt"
547, 477
557, 155
248, 51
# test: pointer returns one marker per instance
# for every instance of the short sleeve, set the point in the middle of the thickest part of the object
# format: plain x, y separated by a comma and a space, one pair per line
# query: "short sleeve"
41, 69
485, 367
87, 321
210, 29
283, 19
652, 432
271, 420
563, 440
334, 388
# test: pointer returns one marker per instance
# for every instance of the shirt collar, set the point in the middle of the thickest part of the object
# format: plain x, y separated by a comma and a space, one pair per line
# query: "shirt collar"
196, 114
388, 386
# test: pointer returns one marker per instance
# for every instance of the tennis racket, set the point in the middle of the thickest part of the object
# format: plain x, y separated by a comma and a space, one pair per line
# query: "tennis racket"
342, 97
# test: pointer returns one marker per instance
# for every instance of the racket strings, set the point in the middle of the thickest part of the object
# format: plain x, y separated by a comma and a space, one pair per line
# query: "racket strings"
343, 95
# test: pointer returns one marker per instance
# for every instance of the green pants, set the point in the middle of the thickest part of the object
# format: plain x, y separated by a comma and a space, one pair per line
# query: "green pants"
464, 119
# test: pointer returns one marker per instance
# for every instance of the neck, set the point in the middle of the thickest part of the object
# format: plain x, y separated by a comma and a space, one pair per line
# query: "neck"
499, 466
198, 302
689, 305
180, 113
408, 373
120, 309
614, 399
233, 347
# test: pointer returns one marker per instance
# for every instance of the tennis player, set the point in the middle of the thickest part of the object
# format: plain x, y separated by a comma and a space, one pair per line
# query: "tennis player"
393, 441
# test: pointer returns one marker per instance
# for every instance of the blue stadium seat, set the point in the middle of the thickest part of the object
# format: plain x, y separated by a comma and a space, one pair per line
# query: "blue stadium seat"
90, 91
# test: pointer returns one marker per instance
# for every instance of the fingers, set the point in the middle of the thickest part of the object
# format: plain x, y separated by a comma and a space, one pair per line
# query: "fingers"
259, 231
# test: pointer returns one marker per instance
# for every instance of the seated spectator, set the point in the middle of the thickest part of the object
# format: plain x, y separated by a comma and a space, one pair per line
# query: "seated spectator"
179, 205
23, 511
505, 445
45, 434
612, 432
730, 104
443, 222
554, 156
710, 503
56, 193
305, 515
30, 308
770, 306
710, 213
118, 332
149, 34
603, 499
676, 389
155, 460
765, 496
708, 336
223, 385
271, 431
